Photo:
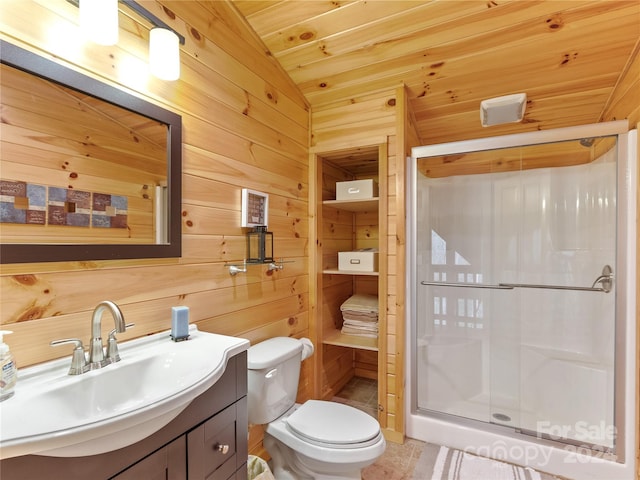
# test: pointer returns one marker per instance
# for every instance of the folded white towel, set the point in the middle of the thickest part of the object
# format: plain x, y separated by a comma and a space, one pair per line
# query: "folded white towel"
359, 333
364, 317
361, 303
363, 325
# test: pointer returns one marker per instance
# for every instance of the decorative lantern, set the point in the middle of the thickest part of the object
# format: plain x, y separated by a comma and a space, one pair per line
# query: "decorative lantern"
259, 245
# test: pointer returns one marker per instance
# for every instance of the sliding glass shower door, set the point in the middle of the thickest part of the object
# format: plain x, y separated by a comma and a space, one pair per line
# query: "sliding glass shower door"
515, 315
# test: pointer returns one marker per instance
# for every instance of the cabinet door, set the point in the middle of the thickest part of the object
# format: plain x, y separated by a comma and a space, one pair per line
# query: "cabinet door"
212, 447
168, 463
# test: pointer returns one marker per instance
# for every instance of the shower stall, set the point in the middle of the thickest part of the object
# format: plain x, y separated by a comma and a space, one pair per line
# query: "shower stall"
521, 281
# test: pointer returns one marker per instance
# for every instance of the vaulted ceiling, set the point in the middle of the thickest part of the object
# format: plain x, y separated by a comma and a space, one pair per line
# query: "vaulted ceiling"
567, 56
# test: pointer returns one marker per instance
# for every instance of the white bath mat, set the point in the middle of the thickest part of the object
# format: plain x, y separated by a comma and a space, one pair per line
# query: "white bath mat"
442, 463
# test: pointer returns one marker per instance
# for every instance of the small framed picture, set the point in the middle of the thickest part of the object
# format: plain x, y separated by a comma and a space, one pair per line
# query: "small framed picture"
255, 208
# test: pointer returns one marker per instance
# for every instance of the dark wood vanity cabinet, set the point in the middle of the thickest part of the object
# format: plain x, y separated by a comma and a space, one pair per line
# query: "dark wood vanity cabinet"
208, 440
168, 463
213, 450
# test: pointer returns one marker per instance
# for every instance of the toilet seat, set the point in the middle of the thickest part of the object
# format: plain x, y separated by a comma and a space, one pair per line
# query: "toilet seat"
334, 425
331, 453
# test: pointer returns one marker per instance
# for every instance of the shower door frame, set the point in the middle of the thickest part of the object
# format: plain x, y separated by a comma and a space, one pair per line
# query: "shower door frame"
622, 267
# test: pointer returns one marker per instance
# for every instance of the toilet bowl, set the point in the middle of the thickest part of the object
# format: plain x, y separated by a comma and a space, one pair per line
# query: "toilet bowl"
317, 439
323, 440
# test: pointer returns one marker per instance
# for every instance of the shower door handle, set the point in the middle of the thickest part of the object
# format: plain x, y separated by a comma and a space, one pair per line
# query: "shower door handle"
500, 286
554, 287
605, 280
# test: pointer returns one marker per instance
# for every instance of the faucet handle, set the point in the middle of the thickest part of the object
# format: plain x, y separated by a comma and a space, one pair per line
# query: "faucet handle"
79, 363
112, 345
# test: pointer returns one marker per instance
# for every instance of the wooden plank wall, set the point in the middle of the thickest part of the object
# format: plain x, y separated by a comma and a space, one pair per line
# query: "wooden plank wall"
244, 125
406, 138
392, 400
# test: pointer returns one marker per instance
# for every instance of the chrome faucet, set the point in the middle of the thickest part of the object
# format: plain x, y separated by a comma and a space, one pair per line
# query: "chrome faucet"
96, 349
97, 358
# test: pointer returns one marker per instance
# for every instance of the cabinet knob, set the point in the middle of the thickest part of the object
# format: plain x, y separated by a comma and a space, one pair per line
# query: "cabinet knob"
223, 449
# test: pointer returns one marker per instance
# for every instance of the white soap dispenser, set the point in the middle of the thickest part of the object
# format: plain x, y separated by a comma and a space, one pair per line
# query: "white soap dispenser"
8, 372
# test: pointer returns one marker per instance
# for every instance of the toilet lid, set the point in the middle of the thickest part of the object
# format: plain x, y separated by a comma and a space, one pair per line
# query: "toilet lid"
332, 423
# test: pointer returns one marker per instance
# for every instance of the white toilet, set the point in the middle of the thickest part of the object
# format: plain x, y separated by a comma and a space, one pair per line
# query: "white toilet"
314, 440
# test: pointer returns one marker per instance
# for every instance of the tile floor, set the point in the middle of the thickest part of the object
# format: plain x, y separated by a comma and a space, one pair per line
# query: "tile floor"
398, 461
361, 393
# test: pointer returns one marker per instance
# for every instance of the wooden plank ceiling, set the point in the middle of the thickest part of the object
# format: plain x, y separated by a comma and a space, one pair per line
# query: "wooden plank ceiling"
567, 56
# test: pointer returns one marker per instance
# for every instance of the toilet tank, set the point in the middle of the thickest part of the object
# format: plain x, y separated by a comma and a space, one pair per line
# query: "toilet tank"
273, 374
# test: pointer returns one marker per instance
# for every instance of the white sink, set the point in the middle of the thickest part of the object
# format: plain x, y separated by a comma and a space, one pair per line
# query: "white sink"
56, 414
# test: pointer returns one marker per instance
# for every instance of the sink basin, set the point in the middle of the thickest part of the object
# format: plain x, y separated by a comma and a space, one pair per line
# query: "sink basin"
56, 414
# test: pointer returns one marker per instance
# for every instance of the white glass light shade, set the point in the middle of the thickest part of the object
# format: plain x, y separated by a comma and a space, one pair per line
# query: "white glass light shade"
99, 20
164, 54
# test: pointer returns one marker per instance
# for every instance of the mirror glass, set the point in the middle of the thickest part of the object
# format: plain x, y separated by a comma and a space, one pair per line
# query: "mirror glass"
87, 171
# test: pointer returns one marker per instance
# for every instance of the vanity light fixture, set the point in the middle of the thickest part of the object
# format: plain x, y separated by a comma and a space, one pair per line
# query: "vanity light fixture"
164, 45
99, 19
506, 109
164, 54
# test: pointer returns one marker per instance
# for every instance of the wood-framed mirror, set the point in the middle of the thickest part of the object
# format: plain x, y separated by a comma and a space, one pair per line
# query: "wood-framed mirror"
87, 171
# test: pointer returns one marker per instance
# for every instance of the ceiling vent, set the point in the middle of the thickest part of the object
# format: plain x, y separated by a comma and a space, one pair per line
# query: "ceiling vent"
507, 109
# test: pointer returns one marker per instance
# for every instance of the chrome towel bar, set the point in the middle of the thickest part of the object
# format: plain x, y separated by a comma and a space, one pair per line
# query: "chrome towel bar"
499, 286
605, 280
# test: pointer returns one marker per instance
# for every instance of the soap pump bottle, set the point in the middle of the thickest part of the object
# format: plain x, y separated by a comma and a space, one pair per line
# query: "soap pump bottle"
8, 371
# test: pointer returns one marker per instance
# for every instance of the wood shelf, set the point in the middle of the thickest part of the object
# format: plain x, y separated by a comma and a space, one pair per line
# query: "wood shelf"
345, 225
335, 271
352, 341
366, 205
